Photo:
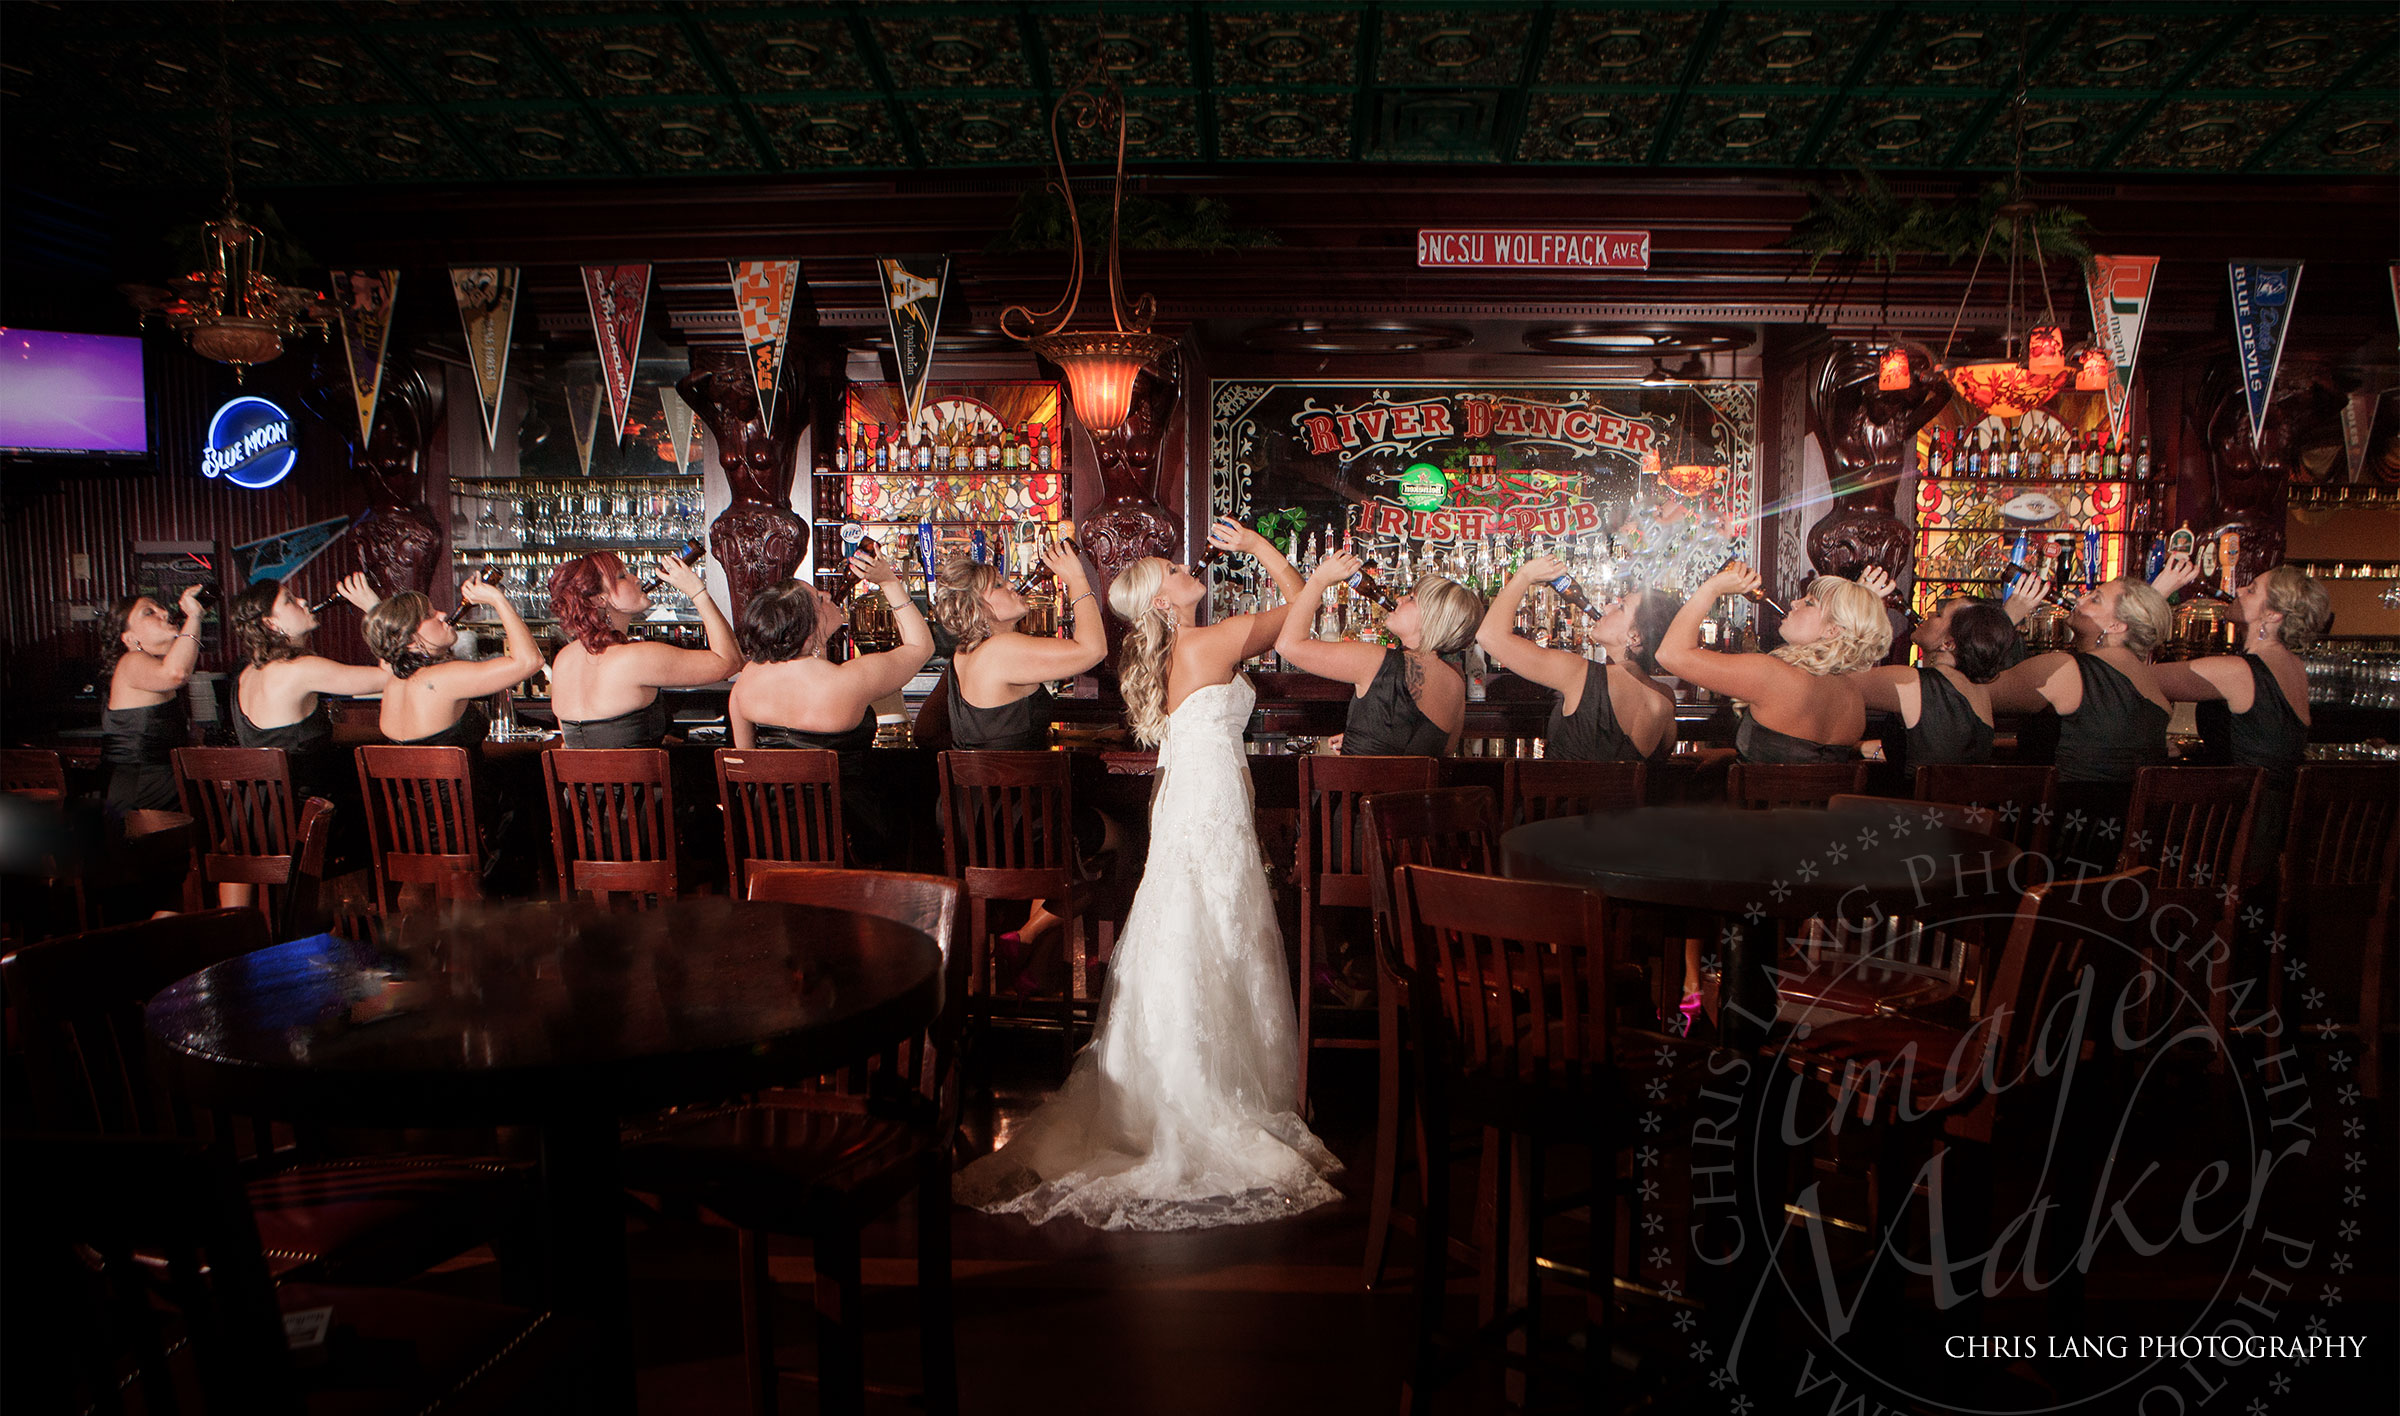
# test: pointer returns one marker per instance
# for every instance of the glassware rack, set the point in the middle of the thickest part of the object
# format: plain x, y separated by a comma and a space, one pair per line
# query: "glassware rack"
525, 527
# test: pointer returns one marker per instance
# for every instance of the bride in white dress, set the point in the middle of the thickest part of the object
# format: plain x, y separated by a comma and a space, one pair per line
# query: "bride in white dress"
1184, 1110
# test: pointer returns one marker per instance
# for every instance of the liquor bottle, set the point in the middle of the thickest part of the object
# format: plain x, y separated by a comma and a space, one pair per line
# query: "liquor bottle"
2091, 552
1024, 447
2141, 462
1041, 450
2157, 560
2075, 458
2108, 458
1572, 593
841, 449
2016, 456
924, 457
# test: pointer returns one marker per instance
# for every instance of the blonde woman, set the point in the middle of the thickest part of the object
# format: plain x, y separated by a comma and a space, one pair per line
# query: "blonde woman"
1404, 702
996, 677
1612, 712
1803, 707
2254, 706
1184, 1111
2112, 713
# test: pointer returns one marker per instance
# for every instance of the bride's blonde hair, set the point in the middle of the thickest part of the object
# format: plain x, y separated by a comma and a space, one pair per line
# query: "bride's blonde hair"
1858, 632
1142, 667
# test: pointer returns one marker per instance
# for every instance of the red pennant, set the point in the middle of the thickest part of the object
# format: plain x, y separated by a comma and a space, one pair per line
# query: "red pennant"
617, 295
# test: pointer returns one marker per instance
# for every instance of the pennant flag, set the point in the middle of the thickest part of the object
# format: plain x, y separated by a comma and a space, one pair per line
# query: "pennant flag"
912, 298
280, 556
617, 296
2262, 307
487, 309
763, 292
2119, 287
364, 298
583, 420
2358, 422
679, 423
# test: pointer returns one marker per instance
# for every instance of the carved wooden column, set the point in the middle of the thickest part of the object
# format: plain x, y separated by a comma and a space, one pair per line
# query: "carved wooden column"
398, 541
1130, 523
1866, 432
759, 539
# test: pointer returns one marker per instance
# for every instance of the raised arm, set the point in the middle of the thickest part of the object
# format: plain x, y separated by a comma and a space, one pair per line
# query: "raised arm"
170, 671
2039, 682
521, 660
1259, 631
1554, 669
322, 675
1342, 660
876, 675
667, 666
358, 590
1880, 686
1038, 659
2200, 680
1745, 676
2180, 570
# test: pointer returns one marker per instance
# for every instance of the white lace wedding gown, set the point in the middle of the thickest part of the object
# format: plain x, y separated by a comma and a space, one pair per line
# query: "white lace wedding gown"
1182, 1112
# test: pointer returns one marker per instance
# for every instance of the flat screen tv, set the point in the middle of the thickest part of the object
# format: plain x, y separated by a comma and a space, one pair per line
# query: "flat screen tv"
77, 395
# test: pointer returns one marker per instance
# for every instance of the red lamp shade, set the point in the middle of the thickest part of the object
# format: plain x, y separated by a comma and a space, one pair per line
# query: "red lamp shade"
2092, 370
1891, 370
1690, 480
1100, 367
2046, 350
2006, 390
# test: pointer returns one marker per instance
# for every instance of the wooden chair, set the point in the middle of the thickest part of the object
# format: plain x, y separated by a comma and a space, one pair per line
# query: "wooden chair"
2334, 887
781, 804
612, 822
1007, 835
1513, 1024
2191, 826
1456, 828
1538, 788
135, 1270
78, 1003
252, 833
1762, 786
2022, 798
33, 772
421, 830
1687, 778
825, 1161
1333, 862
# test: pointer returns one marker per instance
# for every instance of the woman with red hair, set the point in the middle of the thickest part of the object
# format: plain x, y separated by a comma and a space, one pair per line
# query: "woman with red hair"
604, 684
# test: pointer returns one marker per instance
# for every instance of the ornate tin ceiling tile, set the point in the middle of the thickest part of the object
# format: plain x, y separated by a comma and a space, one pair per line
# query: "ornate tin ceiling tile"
2143, 49
953, 51
1158, 127
684, 137
545, 142
1452, 46
267, 151
1898, 132
2060, 134
1950, 49
2360, 134
1614, 128
319, 70
789, 55
2211, 134
982, 130
1284, 46
2291, 48
626, 60
1133, 50
1741, 128
1436, 125
1787, 46
410, 147
1620, 46
1288, 125
471, 65
810, 135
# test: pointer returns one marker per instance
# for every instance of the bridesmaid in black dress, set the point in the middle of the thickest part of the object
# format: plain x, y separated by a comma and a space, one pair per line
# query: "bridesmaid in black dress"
2112, 715
148, 659
1944, 707
604, 685
790, 696
1405, 702
279, 701
1803, 703
1612, 712
2254, 706
435, 699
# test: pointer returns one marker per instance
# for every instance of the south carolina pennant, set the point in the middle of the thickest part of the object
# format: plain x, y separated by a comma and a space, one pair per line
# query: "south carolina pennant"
617, 296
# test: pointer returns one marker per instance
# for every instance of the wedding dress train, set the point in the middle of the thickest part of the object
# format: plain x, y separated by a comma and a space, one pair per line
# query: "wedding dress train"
1183, 1111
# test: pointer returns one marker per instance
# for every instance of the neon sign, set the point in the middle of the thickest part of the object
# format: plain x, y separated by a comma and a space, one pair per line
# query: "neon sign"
250, 444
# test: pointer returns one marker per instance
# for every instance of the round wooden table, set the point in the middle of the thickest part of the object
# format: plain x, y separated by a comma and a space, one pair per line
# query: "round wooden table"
560, 1017
1763, 867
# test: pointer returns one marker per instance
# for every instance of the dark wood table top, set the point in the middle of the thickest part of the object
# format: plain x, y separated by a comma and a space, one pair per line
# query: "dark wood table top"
1789, 863
510, 1012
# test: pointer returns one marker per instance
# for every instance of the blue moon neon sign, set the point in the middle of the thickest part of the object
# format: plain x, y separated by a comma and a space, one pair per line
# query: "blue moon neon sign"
250, 444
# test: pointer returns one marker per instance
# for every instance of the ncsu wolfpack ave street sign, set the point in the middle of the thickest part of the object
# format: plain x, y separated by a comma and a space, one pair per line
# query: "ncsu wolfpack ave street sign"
1487, 247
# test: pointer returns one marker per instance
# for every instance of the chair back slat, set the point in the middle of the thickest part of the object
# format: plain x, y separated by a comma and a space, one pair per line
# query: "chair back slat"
2191, 825
1762, 786
421, 827
2022, 798
33, 771
1331, 790
1455, 828
1518, 969
2069, 937
926, 902
612, 822
1005, 822
1538, 788
240, 801
78, 1002
2342, 834
780, 805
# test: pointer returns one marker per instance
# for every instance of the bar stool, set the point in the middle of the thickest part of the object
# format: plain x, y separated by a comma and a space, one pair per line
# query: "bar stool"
1333, 861
612, 822
2334, 885
241, 800
1764, 786
781, 805
2192, 826
420, 824
2022, 799
1538, 788
1006, 835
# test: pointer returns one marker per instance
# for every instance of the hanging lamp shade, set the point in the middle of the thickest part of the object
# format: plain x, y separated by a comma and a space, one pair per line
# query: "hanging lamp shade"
1689, 479
2006, 390
2092, 370
1891, 370
2046, 350
1101, 366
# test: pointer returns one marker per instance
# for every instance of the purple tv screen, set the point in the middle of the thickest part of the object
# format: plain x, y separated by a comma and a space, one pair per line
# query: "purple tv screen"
72, 393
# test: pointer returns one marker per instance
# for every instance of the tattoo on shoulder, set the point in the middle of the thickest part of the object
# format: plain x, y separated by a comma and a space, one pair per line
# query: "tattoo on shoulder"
1414, 676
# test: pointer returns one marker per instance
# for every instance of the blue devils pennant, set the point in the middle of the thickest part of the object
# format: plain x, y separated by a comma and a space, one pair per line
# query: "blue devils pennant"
2262, 307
